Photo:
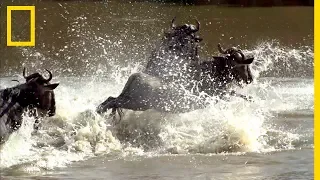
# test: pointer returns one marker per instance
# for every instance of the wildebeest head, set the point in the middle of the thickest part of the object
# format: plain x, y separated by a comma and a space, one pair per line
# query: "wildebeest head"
39, 93
183, 39
237, 64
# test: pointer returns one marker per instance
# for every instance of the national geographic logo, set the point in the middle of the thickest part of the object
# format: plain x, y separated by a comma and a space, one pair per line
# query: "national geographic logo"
32, 26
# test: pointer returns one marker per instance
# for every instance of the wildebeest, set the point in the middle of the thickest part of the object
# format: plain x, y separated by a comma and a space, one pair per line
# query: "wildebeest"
174, 75
177, 55
36, 93
218, 73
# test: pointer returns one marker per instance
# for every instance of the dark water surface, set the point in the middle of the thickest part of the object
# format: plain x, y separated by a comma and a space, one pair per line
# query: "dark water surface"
93, 46
75, 37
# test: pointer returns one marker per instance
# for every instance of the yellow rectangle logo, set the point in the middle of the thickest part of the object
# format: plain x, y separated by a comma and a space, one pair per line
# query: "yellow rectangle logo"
32, 25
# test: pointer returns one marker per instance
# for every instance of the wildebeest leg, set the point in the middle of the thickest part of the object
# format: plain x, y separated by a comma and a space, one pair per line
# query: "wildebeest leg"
113, 115
37, 124
110, 103
136, 94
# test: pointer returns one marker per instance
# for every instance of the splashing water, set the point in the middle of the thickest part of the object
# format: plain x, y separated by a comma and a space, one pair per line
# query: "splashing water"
76, 132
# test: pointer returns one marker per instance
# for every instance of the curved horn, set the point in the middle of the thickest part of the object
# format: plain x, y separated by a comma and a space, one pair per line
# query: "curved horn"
221, 50
242, 55
24, 72
50, 76
172, 23
198, 26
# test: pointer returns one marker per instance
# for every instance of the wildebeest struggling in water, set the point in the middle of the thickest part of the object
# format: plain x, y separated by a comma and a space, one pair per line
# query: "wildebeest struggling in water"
175, 70
35, 94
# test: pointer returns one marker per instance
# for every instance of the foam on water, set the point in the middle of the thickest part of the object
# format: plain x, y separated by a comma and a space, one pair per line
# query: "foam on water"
76, 132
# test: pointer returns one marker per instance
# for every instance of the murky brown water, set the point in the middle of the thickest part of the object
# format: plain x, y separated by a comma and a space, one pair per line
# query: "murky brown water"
71, 34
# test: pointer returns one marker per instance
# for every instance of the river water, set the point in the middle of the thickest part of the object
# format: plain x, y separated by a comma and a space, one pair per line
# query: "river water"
93, 47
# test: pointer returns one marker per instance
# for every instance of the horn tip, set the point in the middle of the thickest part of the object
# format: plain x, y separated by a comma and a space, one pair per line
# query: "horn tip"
24, 72
172, 22
50, 75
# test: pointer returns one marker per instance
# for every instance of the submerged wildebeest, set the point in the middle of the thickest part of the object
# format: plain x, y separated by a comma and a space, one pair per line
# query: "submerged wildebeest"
36, 93
175, 76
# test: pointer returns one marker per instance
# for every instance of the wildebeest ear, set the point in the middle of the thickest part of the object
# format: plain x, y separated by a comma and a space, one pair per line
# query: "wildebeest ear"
247, 61
52, 86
